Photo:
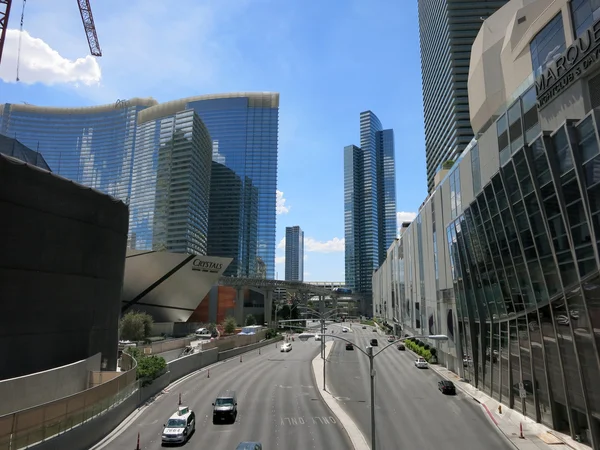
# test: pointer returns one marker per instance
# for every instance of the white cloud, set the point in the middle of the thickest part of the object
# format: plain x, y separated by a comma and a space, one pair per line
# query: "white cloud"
281, 208
330, 246
40, 63
280, 260
305, 257
404, 216
281, 244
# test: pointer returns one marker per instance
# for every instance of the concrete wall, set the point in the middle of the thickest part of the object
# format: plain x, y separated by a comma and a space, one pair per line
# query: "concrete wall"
165, 346
43, 387
89, 433
61, 271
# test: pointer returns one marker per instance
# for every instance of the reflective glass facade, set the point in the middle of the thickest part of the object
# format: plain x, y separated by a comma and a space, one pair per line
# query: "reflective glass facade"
294, 254
152, 156
244, 133
447, 29
171, 175
369, 201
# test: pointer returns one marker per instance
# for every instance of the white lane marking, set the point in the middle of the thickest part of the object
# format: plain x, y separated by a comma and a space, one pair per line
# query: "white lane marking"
322, 420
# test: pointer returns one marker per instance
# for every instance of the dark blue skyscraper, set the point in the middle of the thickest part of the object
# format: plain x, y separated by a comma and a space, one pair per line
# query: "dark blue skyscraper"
369, 201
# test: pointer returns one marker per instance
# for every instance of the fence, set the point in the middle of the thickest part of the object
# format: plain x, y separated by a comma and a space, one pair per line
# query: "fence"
29, 426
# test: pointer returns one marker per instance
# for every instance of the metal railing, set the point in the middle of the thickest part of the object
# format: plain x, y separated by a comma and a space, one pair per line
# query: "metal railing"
29, 426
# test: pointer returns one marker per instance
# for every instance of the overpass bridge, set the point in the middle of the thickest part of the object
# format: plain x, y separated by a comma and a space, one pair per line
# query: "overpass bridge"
302, 290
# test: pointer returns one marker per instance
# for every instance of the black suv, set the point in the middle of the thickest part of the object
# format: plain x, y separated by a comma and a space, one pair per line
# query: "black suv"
225, 407
374, 343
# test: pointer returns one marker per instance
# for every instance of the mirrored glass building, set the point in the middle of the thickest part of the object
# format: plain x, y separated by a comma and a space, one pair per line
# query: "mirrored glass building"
369, 202
504, 255
154, 157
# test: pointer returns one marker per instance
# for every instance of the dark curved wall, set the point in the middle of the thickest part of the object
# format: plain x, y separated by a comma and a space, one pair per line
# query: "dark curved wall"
62, 256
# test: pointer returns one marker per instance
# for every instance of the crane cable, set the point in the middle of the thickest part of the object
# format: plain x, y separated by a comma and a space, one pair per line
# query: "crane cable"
20, 39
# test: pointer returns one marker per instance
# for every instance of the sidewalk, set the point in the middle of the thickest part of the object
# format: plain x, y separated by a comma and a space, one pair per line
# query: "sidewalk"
537, 436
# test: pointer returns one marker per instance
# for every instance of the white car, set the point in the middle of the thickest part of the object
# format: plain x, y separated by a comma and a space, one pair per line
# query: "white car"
421, 363
287, 347
317, 337
180, 426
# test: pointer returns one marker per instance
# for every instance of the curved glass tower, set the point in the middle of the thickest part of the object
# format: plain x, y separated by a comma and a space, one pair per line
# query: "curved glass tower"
153, 157
244, 129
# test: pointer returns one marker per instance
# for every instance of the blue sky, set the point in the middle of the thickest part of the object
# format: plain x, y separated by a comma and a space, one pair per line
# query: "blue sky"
329, 60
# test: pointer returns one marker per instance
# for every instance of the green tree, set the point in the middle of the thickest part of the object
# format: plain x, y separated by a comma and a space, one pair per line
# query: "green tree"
211, 327
148, 367
250, 320
229, 325
132, 327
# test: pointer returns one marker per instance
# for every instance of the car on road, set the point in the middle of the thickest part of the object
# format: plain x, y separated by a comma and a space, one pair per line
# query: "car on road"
249, 446
344, 330
179, 427
364, 327
349, 346
447, 387
225, 407
391, 338
287, 347
374, 343
421, 363
401, 346
317, 337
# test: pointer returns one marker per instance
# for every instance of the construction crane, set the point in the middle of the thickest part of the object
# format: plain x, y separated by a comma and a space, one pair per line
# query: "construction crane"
86, 17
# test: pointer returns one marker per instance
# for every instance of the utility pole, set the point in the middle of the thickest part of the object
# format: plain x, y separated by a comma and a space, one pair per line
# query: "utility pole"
372, 374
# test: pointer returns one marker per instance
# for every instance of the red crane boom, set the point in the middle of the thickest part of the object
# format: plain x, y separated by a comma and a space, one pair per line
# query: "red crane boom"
4, 13
89, 27
86, 17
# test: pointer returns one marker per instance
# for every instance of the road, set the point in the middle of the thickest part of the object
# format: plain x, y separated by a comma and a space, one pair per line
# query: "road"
278, 405
410, 412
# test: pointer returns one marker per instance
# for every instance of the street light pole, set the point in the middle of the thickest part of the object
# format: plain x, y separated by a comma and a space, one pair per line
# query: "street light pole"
369, 353
372, 374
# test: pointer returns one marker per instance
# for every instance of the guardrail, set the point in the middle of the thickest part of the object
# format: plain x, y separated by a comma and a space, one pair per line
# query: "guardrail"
27, 427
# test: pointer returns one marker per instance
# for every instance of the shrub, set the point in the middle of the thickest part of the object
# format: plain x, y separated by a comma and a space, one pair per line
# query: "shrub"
433, 351
271, 333
229, 325
148, 367
427, 346
250, 320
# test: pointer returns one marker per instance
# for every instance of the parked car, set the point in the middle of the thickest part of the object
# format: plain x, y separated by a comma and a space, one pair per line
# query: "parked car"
349, 346
447, 387
401, 346
421, 363
374, 343
287, 347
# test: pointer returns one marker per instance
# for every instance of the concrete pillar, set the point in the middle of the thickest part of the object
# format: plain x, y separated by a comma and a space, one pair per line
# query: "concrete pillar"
269, 308
238, 313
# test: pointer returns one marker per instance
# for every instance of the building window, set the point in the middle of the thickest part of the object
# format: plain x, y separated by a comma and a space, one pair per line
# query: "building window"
547, 45
502, 132
515, 127
585, 13
531, 123
455, 199
475, 169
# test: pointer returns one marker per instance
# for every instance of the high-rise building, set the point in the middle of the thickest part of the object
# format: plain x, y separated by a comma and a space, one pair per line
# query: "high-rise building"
447, 29
369, 202
294, 254
169, 204
503, 255
127, 149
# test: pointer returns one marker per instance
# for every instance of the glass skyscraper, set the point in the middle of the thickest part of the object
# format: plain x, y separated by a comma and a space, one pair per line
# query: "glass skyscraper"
137, 150
294, 254
171, 174
369, 202
447, 30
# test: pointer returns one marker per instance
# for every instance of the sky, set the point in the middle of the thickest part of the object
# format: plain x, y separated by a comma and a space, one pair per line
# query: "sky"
329, 60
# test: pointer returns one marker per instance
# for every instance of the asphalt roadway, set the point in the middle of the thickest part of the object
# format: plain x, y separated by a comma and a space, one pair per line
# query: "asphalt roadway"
410, 412
278, 405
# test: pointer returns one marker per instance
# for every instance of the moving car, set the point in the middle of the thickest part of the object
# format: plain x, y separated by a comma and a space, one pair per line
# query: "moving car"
364, 327
225, 407
421, 363
249, 446
287, 347
344, 330
401, 346
391, 338
374, 343
447, 387
179, 427
349, 346
317, 337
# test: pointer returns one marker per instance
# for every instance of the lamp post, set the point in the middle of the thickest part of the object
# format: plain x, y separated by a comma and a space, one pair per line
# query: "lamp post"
368, 352
322, 317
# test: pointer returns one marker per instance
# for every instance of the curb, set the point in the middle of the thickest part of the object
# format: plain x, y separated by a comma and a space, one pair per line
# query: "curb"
354, 434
